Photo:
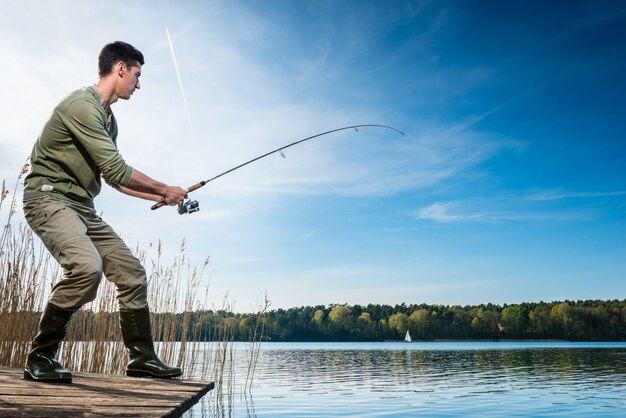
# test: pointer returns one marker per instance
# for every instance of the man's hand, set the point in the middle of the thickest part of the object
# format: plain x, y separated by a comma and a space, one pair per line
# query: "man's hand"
174, 195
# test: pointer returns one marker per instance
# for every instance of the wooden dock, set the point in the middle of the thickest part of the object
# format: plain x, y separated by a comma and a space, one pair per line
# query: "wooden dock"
97, 395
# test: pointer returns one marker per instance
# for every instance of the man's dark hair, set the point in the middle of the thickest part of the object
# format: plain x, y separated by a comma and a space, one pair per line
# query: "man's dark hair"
117, 51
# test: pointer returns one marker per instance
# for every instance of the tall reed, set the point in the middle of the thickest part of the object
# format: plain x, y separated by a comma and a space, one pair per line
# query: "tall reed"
258, 334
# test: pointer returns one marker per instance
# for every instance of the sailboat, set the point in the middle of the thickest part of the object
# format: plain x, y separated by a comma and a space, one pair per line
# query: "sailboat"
407, 337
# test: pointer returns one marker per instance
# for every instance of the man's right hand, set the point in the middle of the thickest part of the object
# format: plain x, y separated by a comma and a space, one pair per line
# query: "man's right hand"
174, 195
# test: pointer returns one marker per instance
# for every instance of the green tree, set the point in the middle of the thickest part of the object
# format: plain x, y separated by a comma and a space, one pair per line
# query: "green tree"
399, 322
318, 318
365, 318
340, 319
486, 323
461, 323
419, 322
563, 314
541, 321
514, 319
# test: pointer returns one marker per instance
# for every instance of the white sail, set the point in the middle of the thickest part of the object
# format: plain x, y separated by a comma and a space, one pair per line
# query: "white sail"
407, 337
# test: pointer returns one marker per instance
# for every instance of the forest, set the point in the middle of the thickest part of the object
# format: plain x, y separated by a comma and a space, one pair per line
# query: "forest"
589, 320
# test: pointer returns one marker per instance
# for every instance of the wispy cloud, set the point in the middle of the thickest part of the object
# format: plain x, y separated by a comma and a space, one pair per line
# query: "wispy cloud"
495, 212
448, 212
558, 195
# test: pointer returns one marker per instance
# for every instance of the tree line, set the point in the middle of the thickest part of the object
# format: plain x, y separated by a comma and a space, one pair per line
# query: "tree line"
589, 320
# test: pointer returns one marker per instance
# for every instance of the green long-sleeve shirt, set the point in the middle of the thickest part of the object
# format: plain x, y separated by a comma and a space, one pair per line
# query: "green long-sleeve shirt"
77, 147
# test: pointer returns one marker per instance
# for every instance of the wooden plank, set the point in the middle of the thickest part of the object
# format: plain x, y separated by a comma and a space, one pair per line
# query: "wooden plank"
96, 395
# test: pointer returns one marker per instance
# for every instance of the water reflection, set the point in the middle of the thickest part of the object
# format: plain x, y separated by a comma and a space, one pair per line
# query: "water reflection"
433, 382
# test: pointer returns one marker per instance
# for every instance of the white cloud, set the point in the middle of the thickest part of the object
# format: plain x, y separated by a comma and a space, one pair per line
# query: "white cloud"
496, 210
443, 212
559, 195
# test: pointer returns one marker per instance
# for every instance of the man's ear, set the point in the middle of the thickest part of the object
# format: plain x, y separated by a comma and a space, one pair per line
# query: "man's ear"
119, 68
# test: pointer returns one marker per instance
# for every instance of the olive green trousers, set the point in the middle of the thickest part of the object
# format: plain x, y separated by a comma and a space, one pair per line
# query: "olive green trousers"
86, 247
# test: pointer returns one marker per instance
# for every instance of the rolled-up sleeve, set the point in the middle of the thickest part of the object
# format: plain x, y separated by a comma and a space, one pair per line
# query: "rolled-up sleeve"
86, 123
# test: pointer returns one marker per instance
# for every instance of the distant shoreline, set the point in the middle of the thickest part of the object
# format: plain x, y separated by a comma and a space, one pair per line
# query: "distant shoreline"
500, 340
439, 341
483, 340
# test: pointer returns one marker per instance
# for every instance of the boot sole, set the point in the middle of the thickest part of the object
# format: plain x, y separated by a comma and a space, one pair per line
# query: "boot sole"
143, 373
29, 376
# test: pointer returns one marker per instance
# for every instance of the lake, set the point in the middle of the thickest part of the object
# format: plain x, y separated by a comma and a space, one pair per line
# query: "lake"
470, 379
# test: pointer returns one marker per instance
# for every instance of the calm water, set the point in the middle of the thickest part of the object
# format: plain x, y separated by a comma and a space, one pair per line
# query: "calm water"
428, 379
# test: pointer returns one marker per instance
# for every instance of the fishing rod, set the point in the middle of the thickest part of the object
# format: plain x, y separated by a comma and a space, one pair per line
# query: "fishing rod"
191, 206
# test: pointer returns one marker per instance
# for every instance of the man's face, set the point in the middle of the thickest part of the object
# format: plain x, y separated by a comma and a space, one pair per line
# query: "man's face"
129, 80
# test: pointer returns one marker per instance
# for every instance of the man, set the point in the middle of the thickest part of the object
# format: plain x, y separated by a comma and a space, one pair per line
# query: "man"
77, 147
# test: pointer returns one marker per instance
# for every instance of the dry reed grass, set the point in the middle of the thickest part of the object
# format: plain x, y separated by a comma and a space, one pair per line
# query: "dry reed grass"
185, 336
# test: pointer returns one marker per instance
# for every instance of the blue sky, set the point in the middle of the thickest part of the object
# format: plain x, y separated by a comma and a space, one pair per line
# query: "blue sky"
509, 186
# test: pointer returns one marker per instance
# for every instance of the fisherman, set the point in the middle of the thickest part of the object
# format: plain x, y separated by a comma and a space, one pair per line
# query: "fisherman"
77, 147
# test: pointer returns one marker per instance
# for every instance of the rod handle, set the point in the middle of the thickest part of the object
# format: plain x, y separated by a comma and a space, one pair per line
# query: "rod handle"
158, 205
196, 186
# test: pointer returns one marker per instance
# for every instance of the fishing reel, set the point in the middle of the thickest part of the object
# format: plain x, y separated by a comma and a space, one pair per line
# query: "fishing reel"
190, 206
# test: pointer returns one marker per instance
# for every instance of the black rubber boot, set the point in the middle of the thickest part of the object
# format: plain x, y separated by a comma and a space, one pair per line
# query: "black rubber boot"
41, 362
142, 360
